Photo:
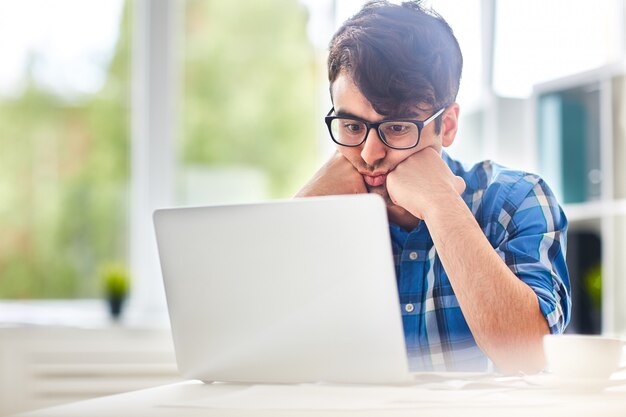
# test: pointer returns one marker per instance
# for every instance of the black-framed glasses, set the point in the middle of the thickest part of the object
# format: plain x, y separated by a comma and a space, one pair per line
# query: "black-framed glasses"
397, 134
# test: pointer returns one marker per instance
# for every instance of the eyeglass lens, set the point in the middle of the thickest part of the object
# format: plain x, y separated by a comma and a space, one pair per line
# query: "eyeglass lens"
397, 134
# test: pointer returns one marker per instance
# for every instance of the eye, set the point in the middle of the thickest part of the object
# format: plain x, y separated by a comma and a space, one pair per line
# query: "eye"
396, 129
352, 126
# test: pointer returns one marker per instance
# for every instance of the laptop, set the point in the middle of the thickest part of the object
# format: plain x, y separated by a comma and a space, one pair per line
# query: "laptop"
291, 291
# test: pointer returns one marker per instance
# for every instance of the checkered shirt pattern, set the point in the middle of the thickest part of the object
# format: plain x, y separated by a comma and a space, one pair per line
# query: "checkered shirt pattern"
525, 225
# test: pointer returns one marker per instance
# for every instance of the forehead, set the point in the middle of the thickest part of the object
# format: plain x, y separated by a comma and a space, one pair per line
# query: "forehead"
348, 98
345, 93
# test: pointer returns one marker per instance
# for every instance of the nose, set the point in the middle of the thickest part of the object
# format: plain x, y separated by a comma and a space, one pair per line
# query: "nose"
374, 150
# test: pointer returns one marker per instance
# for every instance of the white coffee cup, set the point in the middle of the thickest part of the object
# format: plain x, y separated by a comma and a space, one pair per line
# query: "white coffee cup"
572, 356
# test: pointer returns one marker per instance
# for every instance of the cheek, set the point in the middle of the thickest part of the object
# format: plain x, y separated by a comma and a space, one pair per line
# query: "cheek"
429, 139
397, 158
392, 159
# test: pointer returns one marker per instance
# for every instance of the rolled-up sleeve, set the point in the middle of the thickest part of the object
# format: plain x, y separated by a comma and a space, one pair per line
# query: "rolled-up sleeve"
532, 242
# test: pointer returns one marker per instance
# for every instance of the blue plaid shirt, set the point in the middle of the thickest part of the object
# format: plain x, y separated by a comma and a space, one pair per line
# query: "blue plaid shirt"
524, 224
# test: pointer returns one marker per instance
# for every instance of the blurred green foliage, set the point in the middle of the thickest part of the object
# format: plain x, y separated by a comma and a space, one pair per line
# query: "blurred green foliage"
64, 169
249, 88
592, 281
248, 97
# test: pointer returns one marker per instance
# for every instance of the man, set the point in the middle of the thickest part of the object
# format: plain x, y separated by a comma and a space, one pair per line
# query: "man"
479, 251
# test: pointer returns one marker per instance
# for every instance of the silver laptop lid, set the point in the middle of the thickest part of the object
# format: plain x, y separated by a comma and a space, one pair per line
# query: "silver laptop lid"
286, 291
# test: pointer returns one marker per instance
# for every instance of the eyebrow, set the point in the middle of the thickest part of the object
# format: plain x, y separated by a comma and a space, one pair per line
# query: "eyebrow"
342, 113
412, 116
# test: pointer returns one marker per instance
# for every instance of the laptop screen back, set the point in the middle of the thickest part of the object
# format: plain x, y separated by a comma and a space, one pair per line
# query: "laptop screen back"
283, 292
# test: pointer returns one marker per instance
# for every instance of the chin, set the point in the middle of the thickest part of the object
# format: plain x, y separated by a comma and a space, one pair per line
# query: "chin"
381, 190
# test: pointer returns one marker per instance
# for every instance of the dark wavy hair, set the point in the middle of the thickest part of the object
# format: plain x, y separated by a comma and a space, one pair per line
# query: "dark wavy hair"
399, 56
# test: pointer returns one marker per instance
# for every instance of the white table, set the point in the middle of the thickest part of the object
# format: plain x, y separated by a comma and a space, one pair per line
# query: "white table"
43, 366
438, 395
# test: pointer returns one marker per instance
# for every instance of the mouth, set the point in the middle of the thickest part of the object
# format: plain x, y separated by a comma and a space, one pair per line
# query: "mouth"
374, 180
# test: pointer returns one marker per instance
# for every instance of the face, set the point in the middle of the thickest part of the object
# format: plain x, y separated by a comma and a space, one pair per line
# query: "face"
373, 159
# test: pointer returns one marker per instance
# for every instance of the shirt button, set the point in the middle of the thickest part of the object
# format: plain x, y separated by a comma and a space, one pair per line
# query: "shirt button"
409, 308
413, 256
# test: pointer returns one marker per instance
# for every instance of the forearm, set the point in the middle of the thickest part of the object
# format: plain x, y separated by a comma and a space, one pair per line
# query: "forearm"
502, 311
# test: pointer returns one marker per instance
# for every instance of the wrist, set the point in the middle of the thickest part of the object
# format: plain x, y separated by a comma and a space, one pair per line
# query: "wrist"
444, 206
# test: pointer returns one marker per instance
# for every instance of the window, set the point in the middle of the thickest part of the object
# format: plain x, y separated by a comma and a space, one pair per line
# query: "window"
536, 41
247, 126
64, 145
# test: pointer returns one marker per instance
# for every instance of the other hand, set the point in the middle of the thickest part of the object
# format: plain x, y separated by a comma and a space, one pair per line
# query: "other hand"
423, 181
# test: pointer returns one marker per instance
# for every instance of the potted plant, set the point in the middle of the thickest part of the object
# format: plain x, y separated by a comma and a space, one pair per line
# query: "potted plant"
116, 285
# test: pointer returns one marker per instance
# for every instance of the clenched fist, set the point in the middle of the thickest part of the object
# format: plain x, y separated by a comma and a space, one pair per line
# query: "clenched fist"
423, 181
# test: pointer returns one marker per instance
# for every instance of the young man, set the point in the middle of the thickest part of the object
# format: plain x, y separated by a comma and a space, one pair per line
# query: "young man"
479, 251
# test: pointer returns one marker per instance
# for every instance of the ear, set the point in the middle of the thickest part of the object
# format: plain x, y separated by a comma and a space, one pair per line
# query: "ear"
449, 124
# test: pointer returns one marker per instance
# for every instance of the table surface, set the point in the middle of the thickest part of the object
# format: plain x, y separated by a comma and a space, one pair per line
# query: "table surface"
433, 394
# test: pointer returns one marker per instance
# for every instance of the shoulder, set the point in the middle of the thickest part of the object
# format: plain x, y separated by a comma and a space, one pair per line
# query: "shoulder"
494, 191
489, 175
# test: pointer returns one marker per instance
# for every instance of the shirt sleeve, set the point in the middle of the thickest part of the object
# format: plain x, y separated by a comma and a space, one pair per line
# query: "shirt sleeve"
533, 245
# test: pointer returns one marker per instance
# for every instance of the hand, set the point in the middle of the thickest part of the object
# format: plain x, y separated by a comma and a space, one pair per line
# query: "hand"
423, 181
336, 176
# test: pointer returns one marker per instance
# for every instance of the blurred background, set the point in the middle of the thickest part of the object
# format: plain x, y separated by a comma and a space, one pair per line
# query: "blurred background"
110, 109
